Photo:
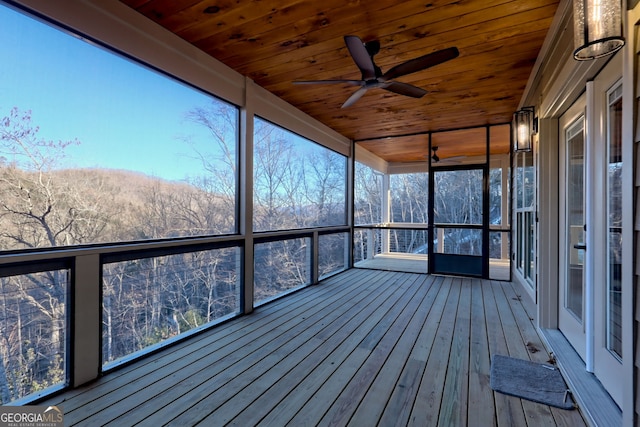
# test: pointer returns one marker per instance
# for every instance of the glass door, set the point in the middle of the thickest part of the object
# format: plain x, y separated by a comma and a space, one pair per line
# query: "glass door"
458, 232
608, 214
572, 226
614, 225
590, 311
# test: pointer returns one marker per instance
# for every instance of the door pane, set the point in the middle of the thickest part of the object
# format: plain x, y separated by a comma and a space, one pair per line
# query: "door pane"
521, 242
529, 247
457, 244
575, 218
458, 197
614, 203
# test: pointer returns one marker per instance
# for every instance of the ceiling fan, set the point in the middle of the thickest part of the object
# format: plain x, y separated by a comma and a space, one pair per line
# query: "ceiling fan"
373, 77
454, 160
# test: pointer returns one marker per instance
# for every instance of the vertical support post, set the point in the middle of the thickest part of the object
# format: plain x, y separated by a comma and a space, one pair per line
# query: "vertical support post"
440, 240
430, 209
547, 245
245, 209
314, 257
85, 338
350, 191
504, 214
348, 250
386, 211
371, 248
486, 205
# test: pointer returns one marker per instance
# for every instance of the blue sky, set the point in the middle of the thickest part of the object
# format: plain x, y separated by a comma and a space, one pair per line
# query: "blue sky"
125, 116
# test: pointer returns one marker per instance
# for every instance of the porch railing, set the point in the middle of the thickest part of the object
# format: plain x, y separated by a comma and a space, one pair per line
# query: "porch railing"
393, 238
69, 314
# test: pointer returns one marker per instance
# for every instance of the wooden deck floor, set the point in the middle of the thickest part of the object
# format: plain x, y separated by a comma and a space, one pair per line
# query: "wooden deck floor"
363, 348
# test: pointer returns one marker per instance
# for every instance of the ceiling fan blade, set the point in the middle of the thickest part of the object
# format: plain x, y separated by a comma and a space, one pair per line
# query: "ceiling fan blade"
313, 82
353, 98
361, 57
454, 160
421, 63
405, 89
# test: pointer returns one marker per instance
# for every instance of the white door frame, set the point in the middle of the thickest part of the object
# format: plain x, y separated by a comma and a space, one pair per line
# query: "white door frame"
574, 330
607, 367
592, 344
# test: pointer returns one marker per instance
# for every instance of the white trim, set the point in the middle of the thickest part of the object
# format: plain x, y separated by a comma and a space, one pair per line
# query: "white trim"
592, 187
606, 367
572, 326
519, 231
276, 110
367, 158
409, 167
386, 211
550, 44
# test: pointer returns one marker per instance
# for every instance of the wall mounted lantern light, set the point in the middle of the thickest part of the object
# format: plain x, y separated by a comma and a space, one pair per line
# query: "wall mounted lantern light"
525, 125
597, 28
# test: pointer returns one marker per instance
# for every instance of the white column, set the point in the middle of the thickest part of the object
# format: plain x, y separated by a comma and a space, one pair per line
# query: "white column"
386, 211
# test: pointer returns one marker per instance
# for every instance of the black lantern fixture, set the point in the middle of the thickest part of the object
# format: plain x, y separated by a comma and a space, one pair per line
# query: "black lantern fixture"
524, 127
597, 27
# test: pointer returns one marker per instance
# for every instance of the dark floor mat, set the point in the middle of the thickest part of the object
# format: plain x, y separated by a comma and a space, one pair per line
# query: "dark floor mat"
529, 380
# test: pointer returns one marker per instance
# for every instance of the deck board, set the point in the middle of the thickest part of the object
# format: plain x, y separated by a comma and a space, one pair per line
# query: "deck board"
429, 396
453, 410
481, 404
380, 393
402, 400
364, 347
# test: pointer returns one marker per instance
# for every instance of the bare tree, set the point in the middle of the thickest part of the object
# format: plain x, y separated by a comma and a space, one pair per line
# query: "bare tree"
40, 208
368, 195
220, 162
324, 182
273, 155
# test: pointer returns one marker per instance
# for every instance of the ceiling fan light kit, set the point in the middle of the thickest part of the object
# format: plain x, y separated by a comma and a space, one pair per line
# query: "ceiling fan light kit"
435, 157
372, 76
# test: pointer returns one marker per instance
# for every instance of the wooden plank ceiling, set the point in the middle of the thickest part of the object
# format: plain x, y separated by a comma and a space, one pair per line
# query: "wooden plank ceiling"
277, 42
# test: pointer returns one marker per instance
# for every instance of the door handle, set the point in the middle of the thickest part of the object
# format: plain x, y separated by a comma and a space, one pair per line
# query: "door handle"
580, 246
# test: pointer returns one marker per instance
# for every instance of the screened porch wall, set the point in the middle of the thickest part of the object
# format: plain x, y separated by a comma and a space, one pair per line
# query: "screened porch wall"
322, 249
392, 210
